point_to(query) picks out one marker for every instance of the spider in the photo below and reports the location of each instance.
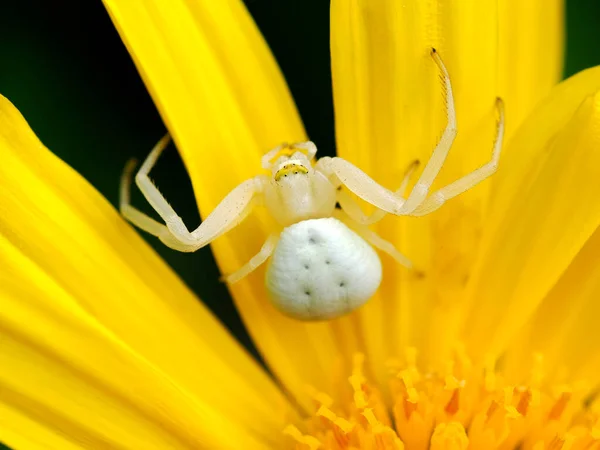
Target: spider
(323, 264)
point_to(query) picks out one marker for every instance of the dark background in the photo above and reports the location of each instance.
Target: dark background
(63, 65)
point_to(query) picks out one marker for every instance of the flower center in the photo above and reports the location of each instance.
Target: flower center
(463, 408)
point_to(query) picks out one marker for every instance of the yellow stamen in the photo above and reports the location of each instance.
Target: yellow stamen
(356, 381)
(319, 397)
(559, 406)
(340, 422)
(452, 406)
(411, 393)
(462, 407)
(309, 441)
(524, 401)
(449, 436)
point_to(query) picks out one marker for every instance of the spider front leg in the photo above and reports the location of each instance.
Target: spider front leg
(353, 210)
(232, 210)
(143, 221)
(341, 172)
(439, 197)
(440, 153)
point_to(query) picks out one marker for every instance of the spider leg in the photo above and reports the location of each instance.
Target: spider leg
(341, 172)
(439, 197)
(438, 157)
(258, 259)
(143, 221)
(354, 211)
(267, 157)
(308, 146)
(375, 240)
(232, 210)
(385, 246)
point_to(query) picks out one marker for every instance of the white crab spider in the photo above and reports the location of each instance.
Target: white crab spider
(322, 265)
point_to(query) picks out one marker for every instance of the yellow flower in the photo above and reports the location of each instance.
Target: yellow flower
(102, 347)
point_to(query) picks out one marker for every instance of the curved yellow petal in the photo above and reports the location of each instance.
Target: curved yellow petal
(542, 212)
(389, 112)
(100, 341)
(28, 433)
(224, 100)
(564, 328)
(35, 436)
(530, 55)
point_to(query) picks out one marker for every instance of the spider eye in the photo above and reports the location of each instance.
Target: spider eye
(293, 169)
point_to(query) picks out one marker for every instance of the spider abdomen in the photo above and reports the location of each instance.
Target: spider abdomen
(321, 269)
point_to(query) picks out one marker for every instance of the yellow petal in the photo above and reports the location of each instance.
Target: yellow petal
(25, 432)
(530, 55)
(564, 329)
(224, 100)
(542, 213)
(389, 112)
(100, 340)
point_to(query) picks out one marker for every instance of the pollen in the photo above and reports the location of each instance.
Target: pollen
(460, 408)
